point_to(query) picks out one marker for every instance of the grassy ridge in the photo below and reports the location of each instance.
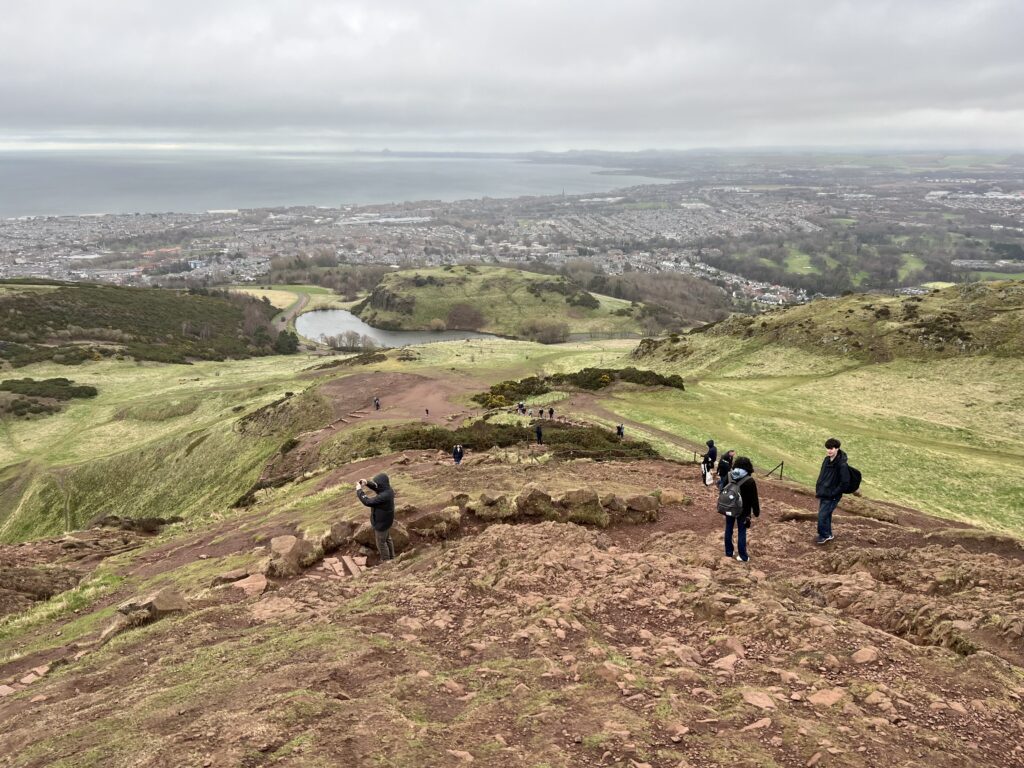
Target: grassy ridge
(154, 442)
(981, 318)
(504, 299)
(51, 322)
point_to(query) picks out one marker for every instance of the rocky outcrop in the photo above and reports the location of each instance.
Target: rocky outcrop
(439, 525)
(289, 555)
(399, 535)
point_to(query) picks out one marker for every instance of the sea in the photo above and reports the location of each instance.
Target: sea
(55, 183)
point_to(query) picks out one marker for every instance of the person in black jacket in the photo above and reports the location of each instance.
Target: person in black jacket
(742, 473)
(833, 478)
(724, 465)
(457, 454)
(382, 512)
(707, 463)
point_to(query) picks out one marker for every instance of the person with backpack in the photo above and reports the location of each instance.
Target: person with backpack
(540, 434)
(737, 502)
(382, 512)
(834, 479)
(724, 465)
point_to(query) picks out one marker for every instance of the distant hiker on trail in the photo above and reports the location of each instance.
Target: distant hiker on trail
(457, 453)
(707, 463)
(620, 430)
(738, 501)
(540, 435)
(427, 411)
(833, 481)
(376, 403)
(551, 413)
(382, 512)
(724, 465)
(531, 413)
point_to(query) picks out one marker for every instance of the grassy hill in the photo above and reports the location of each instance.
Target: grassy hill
(925, 394)
(978, 318)
(539, 643)
(157, 441)
(70, 323)
(495, 300)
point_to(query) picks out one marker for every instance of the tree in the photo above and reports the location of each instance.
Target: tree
(287, 343)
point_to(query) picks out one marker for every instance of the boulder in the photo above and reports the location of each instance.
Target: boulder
(675, 498)
(827, 698)
(252, 586)
(492, 508)
(458, 500)
(534, 502)
(639, 508)
(440, 524)
(865, 655)
(399, 535)
(229, 576)
(155, 604)
(583, 505)
(337, 535)
(408, 510)
(289, 555)
(613, 503)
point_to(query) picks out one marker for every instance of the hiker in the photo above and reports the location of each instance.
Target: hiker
(457, 453)
(427, 410)
(382, 512)
(724, 465)
(376, 403)
(833, 479)
(540, 435)
(551, 413)
(620, 431)
(707, 462)
(531, 413)
(738, 501)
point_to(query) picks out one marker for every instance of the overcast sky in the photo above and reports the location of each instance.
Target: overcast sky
(480, 75)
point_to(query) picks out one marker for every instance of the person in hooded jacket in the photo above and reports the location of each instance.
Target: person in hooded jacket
(742, 473)
(832, 479)
(457, 454)
(724, 465)
(708, 460)
(382, 512)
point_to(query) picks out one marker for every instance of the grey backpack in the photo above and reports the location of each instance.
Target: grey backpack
(730, 502)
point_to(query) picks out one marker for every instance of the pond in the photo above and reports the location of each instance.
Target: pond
(335, 322)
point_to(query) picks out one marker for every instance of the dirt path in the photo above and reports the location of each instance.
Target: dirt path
(585, 403)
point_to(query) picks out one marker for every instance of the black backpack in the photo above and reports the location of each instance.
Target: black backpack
(854, 483)
(730, 502)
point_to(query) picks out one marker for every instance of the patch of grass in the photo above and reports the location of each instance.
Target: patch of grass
(501, 300)
(81, 597)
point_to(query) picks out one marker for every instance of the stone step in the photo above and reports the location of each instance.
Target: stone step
(353, 568)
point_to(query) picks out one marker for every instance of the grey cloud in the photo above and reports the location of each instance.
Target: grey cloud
(518, 74)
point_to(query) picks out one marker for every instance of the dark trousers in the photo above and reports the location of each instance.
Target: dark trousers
(825, 509)
(385, 546)
(741, 536)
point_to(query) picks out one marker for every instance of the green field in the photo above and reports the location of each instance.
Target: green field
(158, 440)
(506, 299)
(942, 436)
(910, 265)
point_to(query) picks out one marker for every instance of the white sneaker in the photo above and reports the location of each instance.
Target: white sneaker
(740, 559)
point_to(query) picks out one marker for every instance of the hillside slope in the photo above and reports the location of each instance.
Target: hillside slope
(973, 319)
(494, 300)
(536, 643)
(73, 322)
